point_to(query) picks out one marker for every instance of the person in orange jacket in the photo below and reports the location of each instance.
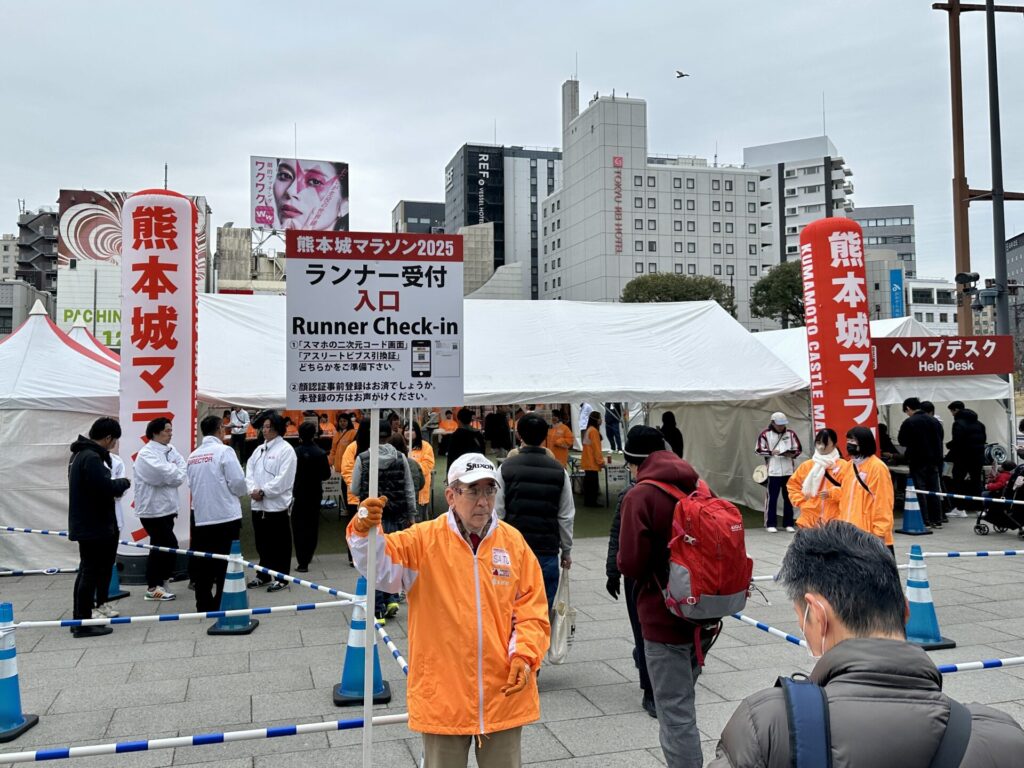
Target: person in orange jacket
(559, 439)
(865, 495)
(344, 435)
(478, 618)
(592, 460)
(423, 454)
(808, 487)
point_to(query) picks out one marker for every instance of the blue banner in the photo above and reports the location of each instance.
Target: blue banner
(896, 303)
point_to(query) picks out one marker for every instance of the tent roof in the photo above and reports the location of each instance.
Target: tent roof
(525, 351)
(41, 368)
(80, 333)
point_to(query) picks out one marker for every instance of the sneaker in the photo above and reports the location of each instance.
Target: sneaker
(158, 593)
(91, 631)
(648, 705)
(105, 611)
(772, 529)
(301, 569)
(790, 529)
(256, 584)
(391, 611)
(276, 586)
(379, 618)
(956, 513)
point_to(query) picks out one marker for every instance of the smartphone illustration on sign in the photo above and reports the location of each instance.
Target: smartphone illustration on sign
(421, 358)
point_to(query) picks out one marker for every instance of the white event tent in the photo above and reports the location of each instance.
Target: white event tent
(51, 389)
(80, 333)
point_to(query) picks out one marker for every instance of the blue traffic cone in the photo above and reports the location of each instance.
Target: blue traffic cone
(234, 598)
(913, 523)
(350, 690)
(115, 592)
(12, 722)
(923, 625)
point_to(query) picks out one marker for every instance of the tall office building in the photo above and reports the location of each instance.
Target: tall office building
(807, 179)
(418, 217)
(8, 256)
(1015, 259)
(622, 212)
(37, 249)
(490, 183)
(932, 301)
(889, 228)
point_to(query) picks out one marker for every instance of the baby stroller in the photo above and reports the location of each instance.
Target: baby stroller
(1005, 517)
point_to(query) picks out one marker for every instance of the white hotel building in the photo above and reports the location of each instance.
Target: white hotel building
(621, 213)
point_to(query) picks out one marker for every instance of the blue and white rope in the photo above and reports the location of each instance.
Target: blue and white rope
(198, 740)
(980, 553)
(770, 630)
(968, 666)
(393, 648)
(985, 499)
(34, 571)
(263, 611)
(12, 529)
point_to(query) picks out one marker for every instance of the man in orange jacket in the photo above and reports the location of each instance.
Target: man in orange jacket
(478, 619)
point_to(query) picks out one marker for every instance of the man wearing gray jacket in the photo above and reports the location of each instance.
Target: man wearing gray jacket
(885, 705)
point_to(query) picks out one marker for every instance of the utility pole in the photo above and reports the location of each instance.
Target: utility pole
(995, 138)
(963, 195)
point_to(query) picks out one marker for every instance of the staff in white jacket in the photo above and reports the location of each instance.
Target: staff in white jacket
(159, 472)
(270, 476)
(216, 480)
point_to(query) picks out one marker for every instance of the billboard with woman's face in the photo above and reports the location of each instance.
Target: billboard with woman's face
(289, 193)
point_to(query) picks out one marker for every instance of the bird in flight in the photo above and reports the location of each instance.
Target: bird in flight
(681, 74)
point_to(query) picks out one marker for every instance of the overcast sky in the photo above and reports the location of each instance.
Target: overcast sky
(100, 95)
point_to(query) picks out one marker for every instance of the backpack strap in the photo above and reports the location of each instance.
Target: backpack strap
(809, 732)
(954, 739)
(831, 479)
(677, 493)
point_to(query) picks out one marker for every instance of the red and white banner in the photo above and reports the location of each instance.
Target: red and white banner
(942, 356)
(837, 320)
(158, 333)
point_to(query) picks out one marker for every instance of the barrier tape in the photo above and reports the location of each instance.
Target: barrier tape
(181, 616)
(981, 553)
(47, 571)
(985, 499)
(968, 666)
(12, 529)
(770, 630)
(392, 647)
(198, 740)
(764, 578)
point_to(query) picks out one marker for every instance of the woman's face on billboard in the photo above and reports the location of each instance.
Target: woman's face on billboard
(307, 194)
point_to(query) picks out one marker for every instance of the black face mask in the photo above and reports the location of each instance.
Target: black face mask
(853, 449)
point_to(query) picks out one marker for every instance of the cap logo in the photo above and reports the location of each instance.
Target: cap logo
(471, 465)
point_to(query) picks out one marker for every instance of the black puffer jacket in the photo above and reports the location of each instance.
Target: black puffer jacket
(532, 488)
(886, 710)
(91, 492)
(969, 438)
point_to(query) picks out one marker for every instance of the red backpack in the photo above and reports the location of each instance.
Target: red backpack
(708, 571)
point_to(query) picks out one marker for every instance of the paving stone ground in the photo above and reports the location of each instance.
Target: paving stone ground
(168, 679)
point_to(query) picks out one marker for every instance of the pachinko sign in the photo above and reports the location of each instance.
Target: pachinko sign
(158, 331)
(837, 320)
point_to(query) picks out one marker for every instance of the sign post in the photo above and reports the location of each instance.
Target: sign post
(374, 321)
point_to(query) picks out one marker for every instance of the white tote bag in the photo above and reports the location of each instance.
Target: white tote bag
(563, 622)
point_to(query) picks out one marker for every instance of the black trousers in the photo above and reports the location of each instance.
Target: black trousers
(160, 565)
(630, 589)
(967, 480)
(208, 574)
(927, 479)
(273, 542)
(92, 584)
(305, 528)
(591, 487)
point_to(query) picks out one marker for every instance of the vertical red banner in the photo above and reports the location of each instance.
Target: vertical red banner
(158, 332)
(838, 332)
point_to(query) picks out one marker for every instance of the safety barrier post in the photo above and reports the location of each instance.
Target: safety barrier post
(350, 690)
(12, 722)
(234, 598)
(923, 625)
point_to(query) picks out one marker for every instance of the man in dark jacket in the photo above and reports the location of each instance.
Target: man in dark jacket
(465, 439)
(966, 453)
(921, 436)
(311, 470)
(885, 700)
(91, 519)
(535, 498)
(646, 530)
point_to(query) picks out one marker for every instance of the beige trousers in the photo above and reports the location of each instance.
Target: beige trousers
(494, 750)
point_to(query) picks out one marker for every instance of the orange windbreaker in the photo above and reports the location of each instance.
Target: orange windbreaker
(869, 512)
(469, 615)
(348, 463)
(817, 510)
(424, 456)
(339, 444)
(448, 425)
(559, 441)
(593, 457)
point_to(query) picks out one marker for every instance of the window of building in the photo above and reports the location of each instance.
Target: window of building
(716, 184)
(691, 269)
(652, 203)
(728, 226)
(638, 245)
(545, 250)
(691, 183)
(791, 192)
(559, 261)
(752, 270)
(652, 224)
(811, 170)
(691, 226)
(716, 226)
(943, 317)
(791, 211)
(728, 206)
(533, 181)
(652, 267)
(558, 204)
(728, 185)
(729, 248)
(677, 247)
(638, 223)
(638, 181)
(790, 173)
(730, 269)
(752, 249)
(791, 249)
(717, 269)
(917, 316)
(533, 198)
(677, 205)
(751, 229)
(814, 189)
(716, 248)
(691, 205)
(677, 226)
(677, 183)
(533, 162)
(638, 202)
(691, 247)
(545, 285)
(559, 242)
(945, 297)
(639, 267)
(652, 246)
(929, 317)
(545, 231)
(922, 296)
(751, 186)
(551, 163)
(678, 268)
(716, 205)
(751, 207)
(650, 181)
(545, 266)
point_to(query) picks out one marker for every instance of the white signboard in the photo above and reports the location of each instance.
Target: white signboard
(374, 320)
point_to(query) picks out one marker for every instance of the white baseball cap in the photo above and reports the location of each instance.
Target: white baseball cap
(471, 467)
(780, 418)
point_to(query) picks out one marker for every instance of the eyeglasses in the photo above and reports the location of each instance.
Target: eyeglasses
(475, 493)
